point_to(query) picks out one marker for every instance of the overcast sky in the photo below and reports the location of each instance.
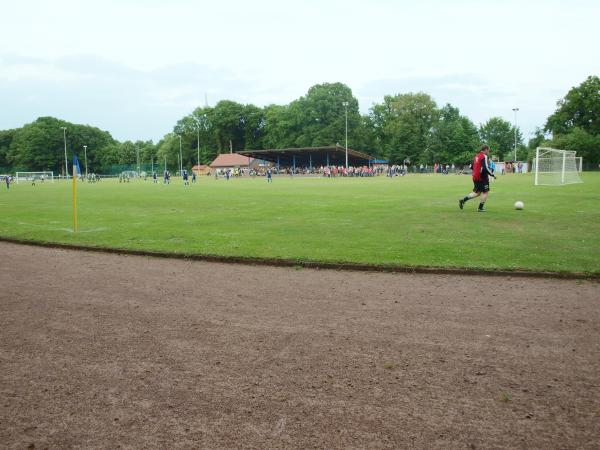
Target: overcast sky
(134, 68)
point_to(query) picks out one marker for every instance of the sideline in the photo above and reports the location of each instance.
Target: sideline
(275, 262)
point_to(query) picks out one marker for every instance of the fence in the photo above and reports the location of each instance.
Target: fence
(117, 169)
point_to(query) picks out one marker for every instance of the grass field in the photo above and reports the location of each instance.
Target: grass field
(410, 221)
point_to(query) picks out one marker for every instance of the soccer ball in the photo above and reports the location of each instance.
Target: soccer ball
(519, 205)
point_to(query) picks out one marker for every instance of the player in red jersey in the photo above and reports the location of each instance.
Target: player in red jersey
(481, 180)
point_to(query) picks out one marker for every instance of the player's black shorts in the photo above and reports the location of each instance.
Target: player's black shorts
(481, 186)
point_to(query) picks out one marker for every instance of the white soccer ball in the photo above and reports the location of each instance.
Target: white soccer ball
(519, 205)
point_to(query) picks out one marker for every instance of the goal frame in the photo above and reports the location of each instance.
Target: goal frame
(564, 155)
(26, 176)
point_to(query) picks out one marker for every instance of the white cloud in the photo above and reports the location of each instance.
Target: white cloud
(135, 67)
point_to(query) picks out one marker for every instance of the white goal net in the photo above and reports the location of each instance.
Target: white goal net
(553, 167)
(34, 176)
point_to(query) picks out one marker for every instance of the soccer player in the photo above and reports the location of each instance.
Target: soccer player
(185, 178)
(481, 180)
(269, 175)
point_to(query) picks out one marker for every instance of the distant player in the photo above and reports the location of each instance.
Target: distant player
(185, 178)
(481, 180)
(7, 181)
(193, 177)
(154, 178)
(269, 175)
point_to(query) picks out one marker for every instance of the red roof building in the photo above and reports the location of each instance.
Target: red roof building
(231, 161)
(201, 169)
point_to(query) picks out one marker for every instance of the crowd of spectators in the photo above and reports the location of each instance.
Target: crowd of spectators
(389, 170)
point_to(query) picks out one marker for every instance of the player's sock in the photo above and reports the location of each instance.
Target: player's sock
(466, 197)
(481, 206)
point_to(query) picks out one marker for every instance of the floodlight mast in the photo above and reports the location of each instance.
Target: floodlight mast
(66, 164)
(85, 156)
(180, 157)
(346, 108)
(198, 132)
(515, 111)
(137, 160)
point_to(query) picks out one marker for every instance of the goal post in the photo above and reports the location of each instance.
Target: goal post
(34, 176)
(554, 167)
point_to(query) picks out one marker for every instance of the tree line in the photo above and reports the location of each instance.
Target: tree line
(404, 127)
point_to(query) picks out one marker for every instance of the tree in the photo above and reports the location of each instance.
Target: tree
(363, 137)
(198, 126)
(227, 121)
(539, 136)
(322, 115)
(253, 124)
(500, 136)
(107, 157)
(281, 128)
(147, 151)
(452, 137)
(580, 108)
(40, 145)
(584, 143)
(6, 138)
(168, 150)
(575, 125)
(402, 126)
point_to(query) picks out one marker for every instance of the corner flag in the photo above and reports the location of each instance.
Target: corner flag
(76, 165)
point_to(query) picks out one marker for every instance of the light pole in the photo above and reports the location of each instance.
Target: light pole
(85, 156)
(515, 111)
(198, 132)
(66, 164)
(137, 160)
(180, 157)
(346, 108)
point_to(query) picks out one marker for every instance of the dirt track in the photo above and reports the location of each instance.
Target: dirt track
(101, 351)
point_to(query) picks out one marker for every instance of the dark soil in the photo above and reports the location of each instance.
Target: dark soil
(107, 351)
